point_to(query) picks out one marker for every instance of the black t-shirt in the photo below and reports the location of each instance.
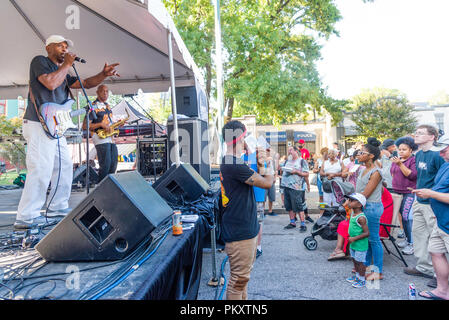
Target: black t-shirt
(101, 113)
(43, 65)
(239, 219)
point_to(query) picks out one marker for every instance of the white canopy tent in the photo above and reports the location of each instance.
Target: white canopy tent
(126, 31)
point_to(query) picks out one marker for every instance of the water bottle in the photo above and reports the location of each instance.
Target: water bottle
(411, 291)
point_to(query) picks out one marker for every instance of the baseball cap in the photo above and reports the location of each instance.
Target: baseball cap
(359, 197)
(301, 141)
(58, 39)
(441, 144)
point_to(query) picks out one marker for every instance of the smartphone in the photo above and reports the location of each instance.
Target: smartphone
(394, 154)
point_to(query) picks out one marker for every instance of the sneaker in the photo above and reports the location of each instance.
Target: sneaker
(358, 283)
(258, 253)
(32, 223)
(309, 219)
(302, 229)
(290, 226)
(401, 234)
(352, 278)
(58, 213)
(408, 250)
(402, 243)
(272, 214)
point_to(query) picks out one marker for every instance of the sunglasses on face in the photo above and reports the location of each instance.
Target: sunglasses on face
(362, 153)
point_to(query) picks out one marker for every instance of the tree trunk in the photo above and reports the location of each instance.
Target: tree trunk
(208, 84)
(230, 103)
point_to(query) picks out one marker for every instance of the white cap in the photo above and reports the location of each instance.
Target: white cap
(58, 39)
(359, 197)
(441, 144)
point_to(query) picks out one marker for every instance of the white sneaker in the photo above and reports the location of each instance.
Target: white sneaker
(33, 223)
(58, 213)
(402, 243)
(408, 250)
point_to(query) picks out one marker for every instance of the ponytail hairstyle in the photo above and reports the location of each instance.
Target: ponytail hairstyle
(373, 147)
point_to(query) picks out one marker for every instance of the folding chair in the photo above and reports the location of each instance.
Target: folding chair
(385, 223)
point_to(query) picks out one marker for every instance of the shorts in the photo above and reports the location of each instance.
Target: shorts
(294, 200)
(438, 241)
(260, 211)
(271, 193)
(359, 256)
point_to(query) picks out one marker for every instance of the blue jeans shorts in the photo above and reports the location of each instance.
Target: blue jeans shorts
(359, 256)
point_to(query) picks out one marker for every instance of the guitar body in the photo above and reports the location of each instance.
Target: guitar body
(58, 117)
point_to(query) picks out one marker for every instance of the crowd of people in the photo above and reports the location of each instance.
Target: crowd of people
(409, 174)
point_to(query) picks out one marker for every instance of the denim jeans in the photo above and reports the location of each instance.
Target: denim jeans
(107, 159)
(319, 185)
(373, 211)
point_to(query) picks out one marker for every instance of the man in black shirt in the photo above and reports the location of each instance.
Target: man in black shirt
(49, 159)
(107, 152)
(239, 217)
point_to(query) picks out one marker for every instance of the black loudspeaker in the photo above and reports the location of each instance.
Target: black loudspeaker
(108, 224)
(191, 102)
(181, 183)
(193, 140)
(79, 176)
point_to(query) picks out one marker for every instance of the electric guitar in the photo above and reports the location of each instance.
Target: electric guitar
(58, 117)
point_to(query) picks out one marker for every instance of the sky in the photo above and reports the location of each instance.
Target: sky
(397, 44)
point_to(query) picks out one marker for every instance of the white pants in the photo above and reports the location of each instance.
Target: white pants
(42, 162)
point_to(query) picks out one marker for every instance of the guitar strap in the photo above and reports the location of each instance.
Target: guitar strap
(41, 119)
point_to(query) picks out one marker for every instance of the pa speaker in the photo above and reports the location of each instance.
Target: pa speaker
(108, 224)
(181, 183)
(193, 140)
(191, 102)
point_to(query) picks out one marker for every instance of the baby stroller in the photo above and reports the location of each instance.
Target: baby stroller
(326, 226)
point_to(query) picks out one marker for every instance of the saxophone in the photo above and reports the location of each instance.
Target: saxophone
(103, 134)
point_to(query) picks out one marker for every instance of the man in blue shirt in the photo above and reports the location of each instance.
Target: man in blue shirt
(428, 163)
(252, 161)
(439, 239)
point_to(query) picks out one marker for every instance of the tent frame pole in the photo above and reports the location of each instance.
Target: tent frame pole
(173, 99)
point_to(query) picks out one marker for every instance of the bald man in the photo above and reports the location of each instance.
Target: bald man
(106, 149)
(49, 159)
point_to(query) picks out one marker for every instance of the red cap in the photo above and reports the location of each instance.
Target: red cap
(301, 141)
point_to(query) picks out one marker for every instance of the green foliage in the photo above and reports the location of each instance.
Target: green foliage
(270, 50)
(12, 152)
(382, 113)
(441, 97)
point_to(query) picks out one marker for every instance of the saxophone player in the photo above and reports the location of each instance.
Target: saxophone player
(106, 149)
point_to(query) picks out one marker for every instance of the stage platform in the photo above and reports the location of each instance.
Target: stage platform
(167, 269)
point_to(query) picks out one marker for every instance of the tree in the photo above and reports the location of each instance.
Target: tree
(382, 113)
(12, 152)
(270, 50)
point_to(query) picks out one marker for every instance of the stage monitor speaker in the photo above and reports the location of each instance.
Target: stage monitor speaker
(108, 224)
(191, 102)
(79, 176)
(181, 183)
(193, 138)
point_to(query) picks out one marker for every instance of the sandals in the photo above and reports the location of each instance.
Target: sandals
(335, 256)
(374, 276)
(430, 295)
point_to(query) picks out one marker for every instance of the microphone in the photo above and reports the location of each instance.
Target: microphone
(80, 60)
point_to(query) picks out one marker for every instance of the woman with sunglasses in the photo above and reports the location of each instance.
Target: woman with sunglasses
(369, 183)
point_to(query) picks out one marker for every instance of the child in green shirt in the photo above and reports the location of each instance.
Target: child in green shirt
(358, 238)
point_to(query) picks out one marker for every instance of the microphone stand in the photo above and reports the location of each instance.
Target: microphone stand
(94, 116)
(153, 129)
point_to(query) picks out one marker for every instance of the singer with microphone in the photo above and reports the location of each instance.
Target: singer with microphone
(48, 160)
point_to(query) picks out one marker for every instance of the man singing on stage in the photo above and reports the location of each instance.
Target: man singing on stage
(49, 159)
(106, 149)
